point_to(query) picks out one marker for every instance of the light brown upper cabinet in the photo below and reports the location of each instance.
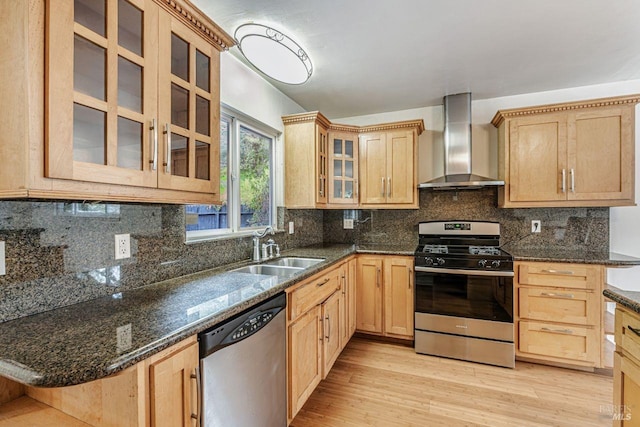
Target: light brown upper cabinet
(388, 169)
(306, 160)
(336, 166)
(343, 169)
(131, 101)
(573, 154)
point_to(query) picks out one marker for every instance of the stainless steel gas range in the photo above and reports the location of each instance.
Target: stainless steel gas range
(464, 293)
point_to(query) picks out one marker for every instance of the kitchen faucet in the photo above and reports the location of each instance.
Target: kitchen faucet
(256, 242)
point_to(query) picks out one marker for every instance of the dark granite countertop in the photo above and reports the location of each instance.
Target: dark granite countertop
(78, 343)
(629, 299)
(611, 259)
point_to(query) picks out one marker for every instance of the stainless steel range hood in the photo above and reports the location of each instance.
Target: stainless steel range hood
(457, 148)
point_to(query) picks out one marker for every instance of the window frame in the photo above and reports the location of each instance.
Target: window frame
(237, 119)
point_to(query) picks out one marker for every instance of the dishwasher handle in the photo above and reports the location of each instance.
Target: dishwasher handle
(240, 327)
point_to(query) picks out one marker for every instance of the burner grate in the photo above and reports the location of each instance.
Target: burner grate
(484, 250)
(435, 249)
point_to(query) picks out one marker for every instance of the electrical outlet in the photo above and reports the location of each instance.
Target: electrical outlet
(123, 246)
(347, 224)
(123, 337)
(536, 225)
(291, 228)
(3, 271)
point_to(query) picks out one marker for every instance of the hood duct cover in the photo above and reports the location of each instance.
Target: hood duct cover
(457, 148)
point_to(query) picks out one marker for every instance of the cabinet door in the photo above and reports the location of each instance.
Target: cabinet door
(398, 296)
(305, 358)
(600, 154)
(172, 389)
(538, 147)
(626, 390)
(369, 294)
(101, 91)
(351, 297)
(343, 169)
(401, 182)
(189, 134)
(373, 168)
(331, 325)
(322, 152)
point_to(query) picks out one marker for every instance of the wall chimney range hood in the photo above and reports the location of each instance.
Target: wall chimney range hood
(457, 148)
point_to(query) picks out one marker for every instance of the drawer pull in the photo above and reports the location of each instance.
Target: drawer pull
(566, 272)
(324, 282)
(554, 295)
(634, 330)
(558, 331)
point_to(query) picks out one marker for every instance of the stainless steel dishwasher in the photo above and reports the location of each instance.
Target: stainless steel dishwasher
(243, 365)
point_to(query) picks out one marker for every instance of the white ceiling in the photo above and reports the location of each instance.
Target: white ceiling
(372, 56)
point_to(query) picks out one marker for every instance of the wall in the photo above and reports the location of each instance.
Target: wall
(624, 228)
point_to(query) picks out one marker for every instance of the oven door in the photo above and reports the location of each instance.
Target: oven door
(470, 294)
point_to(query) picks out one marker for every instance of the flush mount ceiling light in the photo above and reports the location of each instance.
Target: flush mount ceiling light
(273, 53)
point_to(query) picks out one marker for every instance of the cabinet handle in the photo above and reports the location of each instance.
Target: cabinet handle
(378, 277)
(554, 295)
(410, 276)
(167, 139)
(321, 320)
(388, 186)
(565, 272)
(634, 330)
(324, 282)
(558, 331)
(564, 181)
(572, 174)
(154, 145)
(382, 189)
(356, 188)
(321, 191)
(344, 284)
(196, 376)
(328, 328)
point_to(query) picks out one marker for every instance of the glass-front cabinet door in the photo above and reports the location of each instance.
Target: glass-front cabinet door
(189, 110)
(343, 168)
(101, 100)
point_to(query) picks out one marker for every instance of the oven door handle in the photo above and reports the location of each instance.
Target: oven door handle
(493, 273)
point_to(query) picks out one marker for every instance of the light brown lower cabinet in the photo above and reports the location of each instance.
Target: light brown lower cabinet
(558, 313)
(317, 330)
(626, 369)
(158, 391)
(385, 295)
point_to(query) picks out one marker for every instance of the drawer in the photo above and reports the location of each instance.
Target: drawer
(560, 275)
(563, 306)
(313, 292)
(559, 341)
(628, 332)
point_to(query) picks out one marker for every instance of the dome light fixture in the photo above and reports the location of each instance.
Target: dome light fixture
(273, 53)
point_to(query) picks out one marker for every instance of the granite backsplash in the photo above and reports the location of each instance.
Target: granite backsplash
(58, 254)
(584, 229)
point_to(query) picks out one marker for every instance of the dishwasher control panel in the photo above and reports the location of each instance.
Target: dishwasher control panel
(251, 325)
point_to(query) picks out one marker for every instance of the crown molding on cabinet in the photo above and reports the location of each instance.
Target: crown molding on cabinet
(316, 116)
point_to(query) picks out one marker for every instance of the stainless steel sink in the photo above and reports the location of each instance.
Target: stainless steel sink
(296, 262)
(270, 270)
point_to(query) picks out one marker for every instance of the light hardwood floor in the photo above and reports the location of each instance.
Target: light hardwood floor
(382, 384)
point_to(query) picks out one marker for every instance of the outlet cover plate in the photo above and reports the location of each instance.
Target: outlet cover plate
(123, 338)
(291, 227)
(123, 246)
(347, 224)
(536, 225)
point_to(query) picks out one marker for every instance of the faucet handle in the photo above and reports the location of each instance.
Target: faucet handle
(270, 241)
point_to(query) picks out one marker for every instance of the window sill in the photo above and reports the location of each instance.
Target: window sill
(225, 236)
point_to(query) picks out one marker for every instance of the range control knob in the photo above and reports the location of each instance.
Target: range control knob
(495, 263)
(440, 261)
(482, 263)
(428, 261)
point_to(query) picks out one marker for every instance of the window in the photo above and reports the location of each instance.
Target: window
(246, 181)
